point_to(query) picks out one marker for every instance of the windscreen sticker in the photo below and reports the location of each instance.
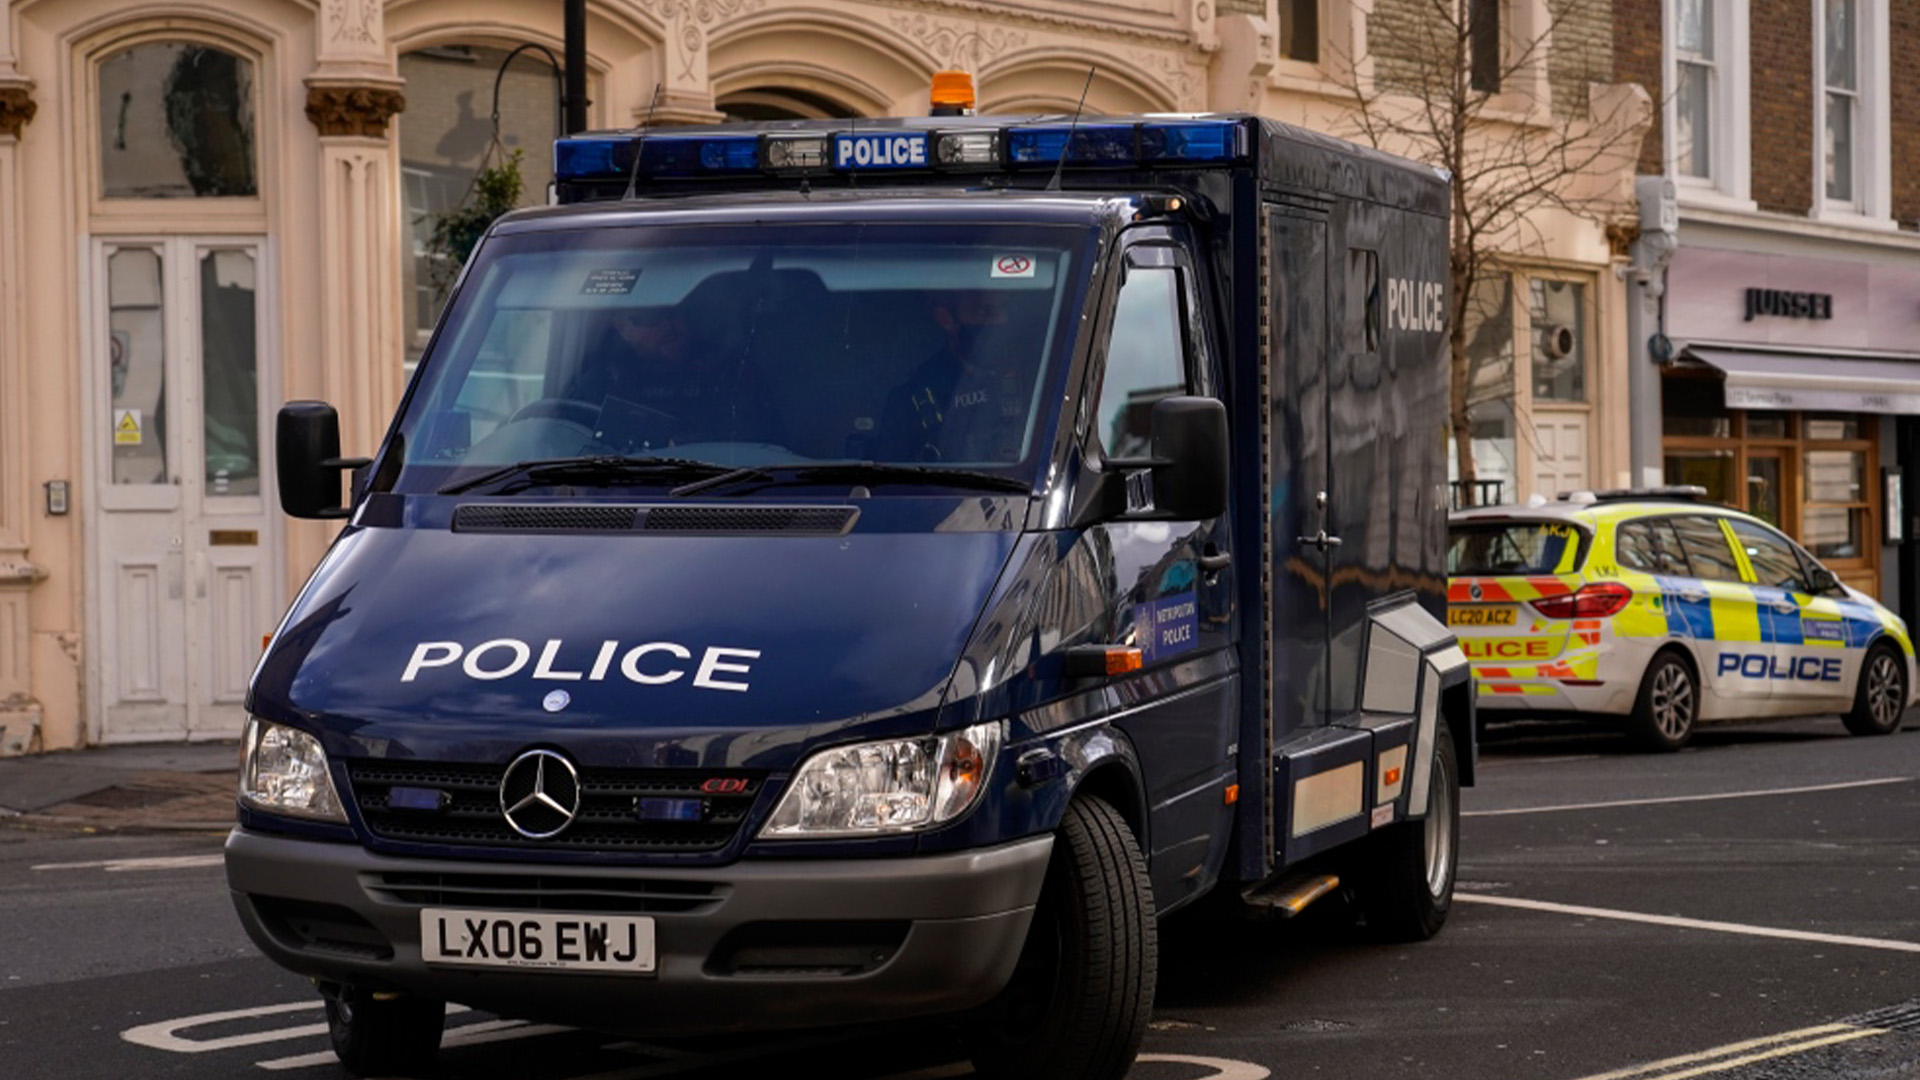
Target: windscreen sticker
(614, 282)
(1005, 266)
(1167, 626)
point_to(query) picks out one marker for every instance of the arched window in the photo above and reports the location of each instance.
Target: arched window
(444, 138)
(177, 121)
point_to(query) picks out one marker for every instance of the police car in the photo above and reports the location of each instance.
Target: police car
(1668, 611)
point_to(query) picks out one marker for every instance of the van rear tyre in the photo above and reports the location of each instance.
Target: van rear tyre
(383, 1036)
(1078, 1003)
(1881, 698)
(1405, 872)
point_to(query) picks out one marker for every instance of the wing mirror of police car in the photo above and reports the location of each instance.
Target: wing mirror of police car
(307, 458)
(1189, 463)
(1823, 580)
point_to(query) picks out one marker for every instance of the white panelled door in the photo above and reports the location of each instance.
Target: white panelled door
(185, 545)
(1560, 464)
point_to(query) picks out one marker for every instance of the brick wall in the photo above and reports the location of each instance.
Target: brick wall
(1405, 38)
(1636, 59)
(1582, 52)
(1904, 54)
(1781, 85)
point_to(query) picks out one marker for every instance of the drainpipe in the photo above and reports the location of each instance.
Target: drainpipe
(1648, 349)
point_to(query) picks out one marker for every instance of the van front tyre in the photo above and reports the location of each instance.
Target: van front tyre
(1078, 1003)
(1668, 705)
(1881, 698)
(383, 1036)
(1405, 875)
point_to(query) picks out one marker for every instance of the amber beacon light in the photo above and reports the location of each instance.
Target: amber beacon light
(952, 93)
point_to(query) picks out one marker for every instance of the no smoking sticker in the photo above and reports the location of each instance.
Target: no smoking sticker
(1013, 266)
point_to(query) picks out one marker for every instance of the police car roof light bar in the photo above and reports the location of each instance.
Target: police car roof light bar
(1663, 492)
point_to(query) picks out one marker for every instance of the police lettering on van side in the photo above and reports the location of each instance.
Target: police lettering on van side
(1758, 666)
(1416, 305)
(651, 663)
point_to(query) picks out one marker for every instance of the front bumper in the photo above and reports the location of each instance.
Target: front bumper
(752, 946)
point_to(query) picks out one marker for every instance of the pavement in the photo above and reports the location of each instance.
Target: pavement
(131, 788)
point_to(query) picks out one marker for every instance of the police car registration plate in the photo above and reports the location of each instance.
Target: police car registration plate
(1479, 616)
(611, 944)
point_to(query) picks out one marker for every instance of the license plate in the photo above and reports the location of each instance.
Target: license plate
(1479, 616)
(610, 944)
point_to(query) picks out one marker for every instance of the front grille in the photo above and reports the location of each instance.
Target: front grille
(673, 520)
(543, 892)
(524, 517)
(609, 820)
(814, 520)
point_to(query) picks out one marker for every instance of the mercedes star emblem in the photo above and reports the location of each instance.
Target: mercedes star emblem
(540, 794)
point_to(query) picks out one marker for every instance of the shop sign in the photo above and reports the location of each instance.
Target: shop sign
(1823, 400)
(1790, 305)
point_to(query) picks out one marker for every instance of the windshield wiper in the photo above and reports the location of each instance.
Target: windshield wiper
(598, 469)
(743, 473)
(880, 472)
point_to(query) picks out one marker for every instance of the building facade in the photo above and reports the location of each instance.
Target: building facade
(209, 209)
(1786, 351)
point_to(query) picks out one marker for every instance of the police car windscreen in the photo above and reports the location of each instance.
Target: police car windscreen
(751, 345)
(1515, 547)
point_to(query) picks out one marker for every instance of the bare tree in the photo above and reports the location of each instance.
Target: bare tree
(1525, 132)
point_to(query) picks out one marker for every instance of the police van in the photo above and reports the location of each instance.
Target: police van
(826, 573)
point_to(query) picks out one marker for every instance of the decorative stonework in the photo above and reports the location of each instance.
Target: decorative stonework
(685, 20)
(353, 110)
(353, 20)
(16, 109)
(968, 47)
(1169, 71)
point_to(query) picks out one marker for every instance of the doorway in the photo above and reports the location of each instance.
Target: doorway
(186, 576)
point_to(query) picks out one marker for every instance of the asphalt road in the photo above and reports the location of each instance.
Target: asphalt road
(1748, 909)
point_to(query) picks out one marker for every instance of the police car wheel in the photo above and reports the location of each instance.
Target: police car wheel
(1881, 698)
(1077, 1005)
(1668, 704)
(383, 1036)
(1404, 875)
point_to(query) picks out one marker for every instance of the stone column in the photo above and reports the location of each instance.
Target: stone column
(19, 710)
(351, 95)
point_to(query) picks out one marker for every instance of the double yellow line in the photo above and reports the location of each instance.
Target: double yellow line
(1734, 1055)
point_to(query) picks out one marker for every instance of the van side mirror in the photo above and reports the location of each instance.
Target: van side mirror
(307, 458)
(1189, 463)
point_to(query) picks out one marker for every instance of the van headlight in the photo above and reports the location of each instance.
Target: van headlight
(284, 771)
(895, 786)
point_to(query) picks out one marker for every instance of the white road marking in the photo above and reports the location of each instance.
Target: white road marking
(1690, 924)
(1223, 1068)
(1718, 1059)
(166, 1034)
(486, 1031)
(1690, 798)
(114, 866)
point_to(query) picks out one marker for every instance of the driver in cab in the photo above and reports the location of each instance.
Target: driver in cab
(654, 386)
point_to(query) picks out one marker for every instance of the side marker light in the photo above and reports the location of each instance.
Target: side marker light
(1233, 794)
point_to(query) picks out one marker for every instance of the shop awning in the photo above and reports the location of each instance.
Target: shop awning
(1771, 380)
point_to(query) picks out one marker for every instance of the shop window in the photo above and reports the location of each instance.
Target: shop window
(446, 135)
(1559, 319)
(1713, 470)
(1694, 407)
(177, 122)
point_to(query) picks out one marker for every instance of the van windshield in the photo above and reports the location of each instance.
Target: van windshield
(756, 346)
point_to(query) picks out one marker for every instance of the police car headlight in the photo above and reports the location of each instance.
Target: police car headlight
(900, 785)
(284, 771)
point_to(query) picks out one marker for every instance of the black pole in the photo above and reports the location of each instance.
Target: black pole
(576, 65)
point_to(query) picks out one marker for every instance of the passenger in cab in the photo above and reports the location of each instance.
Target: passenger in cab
(969, 400)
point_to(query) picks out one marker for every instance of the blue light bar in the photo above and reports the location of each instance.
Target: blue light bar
(699, 155)
(1196, 141)
(1093, 144)
(593, 157)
